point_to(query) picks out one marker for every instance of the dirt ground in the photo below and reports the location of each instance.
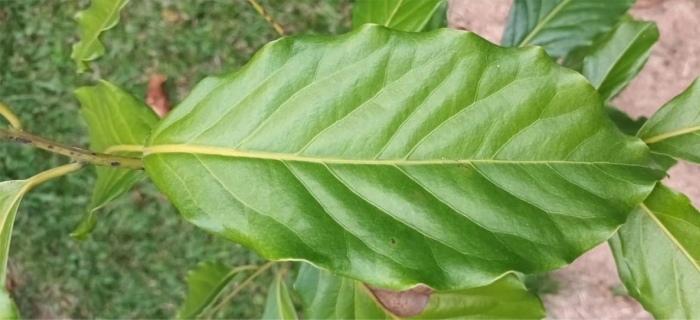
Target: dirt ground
(587, 288)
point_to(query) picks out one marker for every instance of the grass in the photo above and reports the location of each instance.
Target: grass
(135, 263)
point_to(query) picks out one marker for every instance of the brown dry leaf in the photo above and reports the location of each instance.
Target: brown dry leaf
(156, 97)
(404, 303)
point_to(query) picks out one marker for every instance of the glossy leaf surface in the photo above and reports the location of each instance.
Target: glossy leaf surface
(561, 25)
(402, 158)
(658, 255)
(279, 302)
(101, 16)
(204, 284)
(11, 193)
(325, 296)
(404, 15)
(674, 130)
(614, 60)
(119, 124)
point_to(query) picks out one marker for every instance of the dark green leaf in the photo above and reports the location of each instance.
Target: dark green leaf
(204, 284)
(561, 25)
(439, 18)
(325, 296)
(674, 130)
(658, 255)
(119, 124)
(402, 158)
(615, 59)
(101, 16)
(279, 303)
(624, 122)
(401, 15)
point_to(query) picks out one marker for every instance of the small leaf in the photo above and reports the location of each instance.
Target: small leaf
(101, 16)
(325, 296)
(561, 25)
(156, 97)
(8, 308)
(674, 130)
(279, 303)
(615, 59)
(119, 124)
(400, 158)
(204, 284)
(401, 15)
(11, 193)
(658, 255)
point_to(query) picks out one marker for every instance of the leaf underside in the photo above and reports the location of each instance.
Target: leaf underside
(325, 296)
(402, 158)
(115, 119)
(658, 255)
(404, 15)
(561, 25)
(101, 16)
(204, 284)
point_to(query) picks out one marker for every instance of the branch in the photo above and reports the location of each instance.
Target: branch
(77, 154)
(10, 116)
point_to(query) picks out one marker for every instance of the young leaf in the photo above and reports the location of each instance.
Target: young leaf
(119, 124)
(11, 193)
(204, 284)
(658, 255)
(101, 16)
(8, 308)
(402, 158)
(674, 130)
(325, 296)
(401, 15)
(279, 303)
(614, 60)
(561, 25)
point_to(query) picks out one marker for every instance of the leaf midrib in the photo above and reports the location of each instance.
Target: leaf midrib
(542, 23)
(671, 134)
(226, 152)
(670, 236)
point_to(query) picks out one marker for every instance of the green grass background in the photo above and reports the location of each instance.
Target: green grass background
(135, 263)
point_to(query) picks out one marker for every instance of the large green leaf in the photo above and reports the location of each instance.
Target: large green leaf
(402, 158)
(405, 15)
(658, 255)
(119, 124)
(279, 303)
(325, 296)
(614, 60)
(102, 15)
(204, 284)
(674, 130)
(11, 193)
(561, 25)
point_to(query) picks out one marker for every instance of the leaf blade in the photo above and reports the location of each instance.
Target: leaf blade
(204, 283)
(549, 23)
(394, 188)
(279, 302)
(118, 123)
(674, 130)
(404, 15)
(658, 257)
(101, 16)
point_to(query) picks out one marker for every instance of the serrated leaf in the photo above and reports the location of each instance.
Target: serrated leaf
(11, 193)
(561, 25)
(204, 284)
(118, 123)
(674, 130)
(325, 296)
(404, 15)
(402, 158)
(614, 60)
(279, 303)
(101, 16)
(658, 255)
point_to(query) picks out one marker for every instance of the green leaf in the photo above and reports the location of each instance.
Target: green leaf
(438, 19)
(204, 284)
(614, 60)
(11, 193)
(119, 123)
(101, 16)
(402, 158)
(325, 296)
(674, 130)
(279, 303)
(658, 255)
(404, 15)
(561, 25)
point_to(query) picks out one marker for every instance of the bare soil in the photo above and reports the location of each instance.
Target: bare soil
(589, 287)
